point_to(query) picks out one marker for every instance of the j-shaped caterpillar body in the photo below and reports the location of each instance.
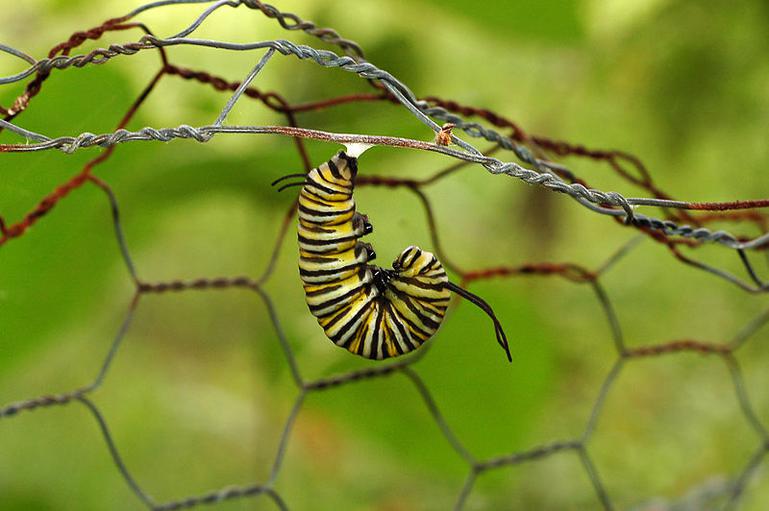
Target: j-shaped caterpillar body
(373, 312)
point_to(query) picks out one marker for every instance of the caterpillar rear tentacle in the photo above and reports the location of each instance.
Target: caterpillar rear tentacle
(371, 311)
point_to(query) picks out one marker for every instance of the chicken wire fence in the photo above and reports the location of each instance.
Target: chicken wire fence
(682, 227)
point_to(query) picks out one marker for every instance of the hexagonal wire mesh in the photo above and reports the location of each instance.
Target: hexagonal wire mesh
(678, 231)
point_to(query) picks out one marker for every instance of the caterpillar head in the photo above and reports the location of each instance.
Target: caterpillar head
(412, 261)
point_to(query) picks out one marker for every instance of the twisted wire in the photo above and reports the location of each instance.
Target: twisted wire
(592, 198)
(545, 175)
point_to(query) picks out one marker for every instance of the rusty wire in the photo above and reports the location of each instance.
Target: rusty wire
(530, 149)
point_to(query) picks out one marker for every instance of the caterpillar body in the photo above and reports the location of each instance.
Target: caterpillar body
(373, 312)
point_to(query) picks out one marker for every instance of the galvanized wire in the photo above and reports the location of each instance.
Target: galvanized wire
(595, 200)
(546, 174)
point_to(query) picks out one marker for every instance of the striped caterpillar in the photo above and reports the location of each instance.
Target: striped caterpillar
(373, 312)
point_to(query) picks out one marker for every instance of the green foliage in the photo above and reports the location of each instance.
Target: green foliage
(200, 388)
(526, 20)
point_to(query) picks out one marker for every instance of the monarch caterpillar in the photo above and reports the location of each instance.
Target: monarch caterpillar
(373, 312)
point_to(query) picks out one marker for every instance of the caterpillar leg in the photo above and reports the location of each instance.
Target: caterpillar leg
(361, 224)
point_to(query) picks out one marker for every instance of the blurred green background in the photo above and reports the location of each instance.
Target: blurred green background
(200, 390)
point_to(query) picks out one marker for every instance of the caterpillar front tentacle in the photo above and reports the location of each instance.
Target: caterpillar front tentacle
(485, 307)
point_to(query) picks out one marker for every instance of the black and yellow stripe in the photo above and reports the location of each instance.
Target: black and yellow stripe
(373, 312)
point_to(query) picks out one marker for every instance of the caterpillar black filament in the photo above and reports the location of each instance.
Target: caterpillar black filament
(373, 312)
